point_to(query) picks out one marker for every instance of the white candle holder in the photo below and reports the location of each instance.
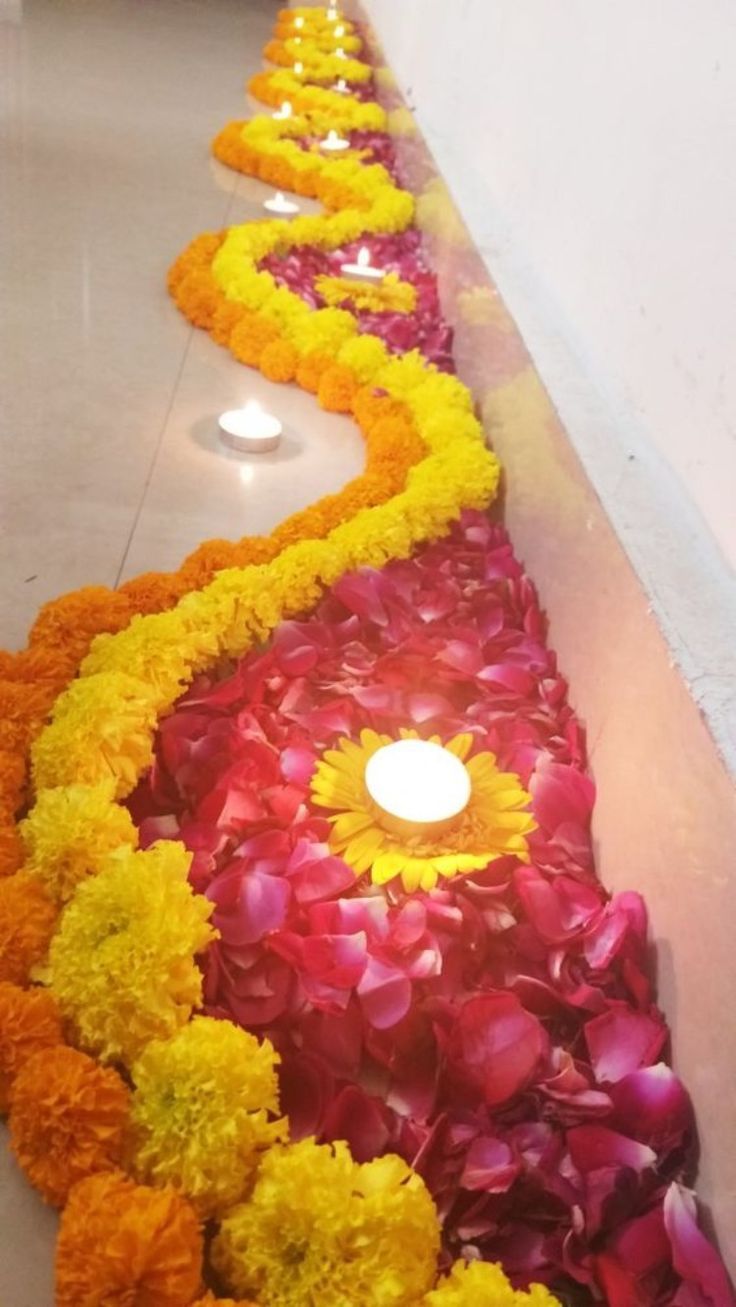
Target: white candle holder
(362, 269)
(250, 430)
(334, 143)
(278, 203)
(419, 787)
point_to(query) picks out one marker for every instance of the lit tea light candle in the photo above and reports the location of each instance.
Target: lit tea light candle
(418, 786)
(334, 142)
(250, 429)
(341, 86)
(298, 68)
(340, 53)
(339, 31)
(278, 203)
(285, 111)
(332, 14)
(298, 22)
(297, 40)
(362, 269)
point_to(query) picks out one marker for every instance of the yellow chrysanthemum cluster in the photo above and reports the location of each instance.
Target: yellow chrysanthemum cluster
(326, 109)
(390, 296)
(70, 832)
(483, 1284)
(319, 1228)
(203, 1112)
(86, 743)
(121, 964)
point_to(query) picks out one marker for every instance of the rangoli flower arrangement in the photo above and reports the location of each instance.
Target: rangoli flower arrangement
(267, 1028)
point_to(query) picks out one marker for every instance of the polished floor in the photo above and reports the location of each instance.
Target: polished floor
(110, 463)
(109, 457)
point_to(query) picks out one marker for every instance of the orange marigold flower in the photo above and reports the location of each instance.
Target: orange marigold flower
(337, 387)
(225, 319)
(47, 665)
(197, 296)
(71, 622)
(123, 1243)
(27, 922)
(29, 1022)
(23, 708)
(11, 849)
(68, 1118)
(279, 361)
(310, 369)
(369, 407)
(13, 774)
(154, 592)
(210, 1300)
(199, 254)
(250, 337)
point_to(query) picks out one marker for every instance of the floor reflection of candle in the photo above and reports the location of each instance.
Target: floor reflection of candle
(250, 429)
(362, 270)
(278, 203)
(334, 142)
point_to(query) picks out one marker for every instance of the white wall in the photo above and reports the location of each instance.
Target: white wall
(594, 142)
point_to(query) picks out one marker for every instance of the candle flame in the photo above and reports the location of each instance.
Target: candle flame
(252, 409)
(364, 257)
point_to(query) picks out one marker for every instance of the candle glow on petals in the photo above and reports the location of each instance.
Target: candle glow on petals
(362, 269)
(334, 142)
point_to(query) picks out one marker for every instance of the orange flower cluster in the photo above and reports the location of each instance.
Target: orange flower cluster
(27, 922)
(68, 1118)
(120, 1242)
(29, 1023)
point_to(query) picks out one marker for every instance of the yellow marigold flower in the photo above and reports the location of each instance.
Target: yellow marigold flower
(493, 825)
(70, 832)
(321, 1229)
(121, 963)
(365, 355)
(159, 649)
(483, 1284)
(101, 724)
(202, 1111)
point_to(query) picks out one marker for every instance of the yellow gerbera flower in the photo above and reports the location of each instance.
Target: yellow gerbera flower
(493, 824)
